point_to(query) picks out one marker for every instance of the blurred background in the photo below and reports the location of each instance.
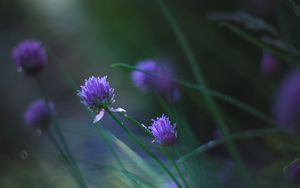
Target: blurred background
(84, 38)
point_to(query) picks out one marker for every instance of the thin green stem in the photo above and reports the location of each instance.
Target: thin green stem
(61, 152)
(236, 136)
(291, 163)
(139, 143)
(213, 93)
(115, 154)
(186, 166)
(258, 43)
(166, 152)
(210, 103)
(137, 123)
(80, 179)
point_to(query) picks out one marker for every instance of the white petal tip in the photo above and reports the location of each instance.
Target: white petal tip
(99, 116)
(117, 110)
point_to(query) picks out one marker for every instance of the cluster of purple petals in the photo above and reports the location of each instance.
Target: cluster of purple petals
(287, 104)
(270, 65)
(30, 57)
(37, 114)
(96, 93)
(164, 132)
(155, 77)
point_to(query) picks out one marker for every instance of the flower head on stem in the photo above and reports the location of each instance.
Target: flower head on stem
(164, 132)
(30, 57)
(97, 95)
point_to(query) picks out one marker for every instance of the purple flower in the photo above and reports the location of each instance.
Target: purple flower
(164, 132)
(287, 105)
(270, 66)
(37, 114)
(97, 95)
(294, 172)
(30, 57)
(152, 76)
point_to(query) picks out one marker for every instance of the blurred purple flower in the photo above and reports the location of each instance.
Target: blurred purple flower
(270, 65)
(287, 105)
(37, 115)
(30, 57)
(164, 132)
(218, 133)
(294, 172)
(157, 78)
(97, 95)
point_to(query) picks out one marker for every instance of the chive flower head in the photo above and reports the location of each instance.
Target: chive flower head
(97, 95)
(37, 114)
(30, 57)
(163, 131)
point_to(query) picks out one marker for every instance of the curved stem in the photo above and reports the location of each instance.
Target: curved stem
(214, 143)
(166, 152)
(61, 152)
(186, 166)
(138, 142)
(81, 180)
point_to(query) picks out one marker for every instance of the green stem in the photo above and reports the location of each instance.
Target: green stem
(212, 106)
(166, 152)
(137, 123)
(213, 93)
(236, 136)
(139, 143)
(186, 166)
(61, 152)
(81, 180)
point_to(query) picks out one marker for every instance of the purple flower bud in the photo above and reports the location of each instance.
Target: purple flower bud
(156, 78)
(164, 133)
(97, 95)
(30, 57)
(287, 105)
(37, 114)
(270, 66)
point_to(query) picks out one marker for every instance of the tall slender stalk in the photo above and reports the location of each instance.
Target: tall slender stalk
(236, 136)
(186, 166)
(61, 152)
(210, 103)
(139, 143)
(166, 152)
(131, 119)
(69, 155)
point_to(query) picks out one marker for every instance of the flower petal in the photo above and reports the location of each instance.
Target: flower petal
(117, 110)
(99, 116)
